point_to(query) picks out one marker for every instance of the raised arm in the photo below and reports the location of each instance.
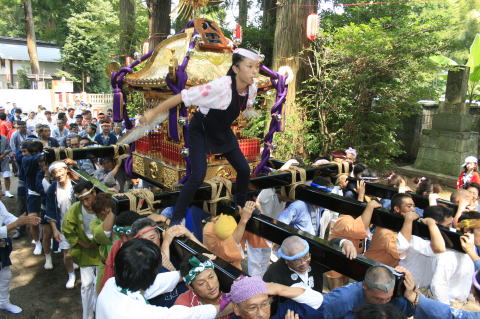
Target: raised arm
(245, 214)
(367, 213)
(407, 224)
(436, 240)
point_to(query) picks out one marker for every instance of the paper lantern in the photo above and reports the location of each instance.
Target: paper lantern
(312, 26)
(238, 31)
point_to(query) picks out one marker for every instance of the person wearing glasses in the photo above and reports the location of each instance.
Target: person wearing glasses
(294, 265)
(250, 298)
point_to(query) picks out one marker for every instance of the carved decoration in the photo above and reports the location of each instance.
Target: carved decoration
(138, 164)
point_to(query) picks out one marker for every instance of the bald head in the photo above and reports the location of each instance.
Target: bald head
(378, 275)
(293, 245)
(460, 194)
(378, 285)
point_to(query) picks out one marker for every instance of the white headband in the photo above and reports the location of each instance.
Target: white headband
(248, 54)
(57, 164)
(86, 193)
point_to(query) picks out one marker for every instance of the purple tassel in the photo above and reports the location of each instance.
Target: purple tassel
(278, 83)
(117, 104)
(128, 165)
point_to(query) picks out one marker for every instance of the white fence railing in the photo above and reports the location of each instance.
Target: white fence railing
(70, 99)
(29, 100)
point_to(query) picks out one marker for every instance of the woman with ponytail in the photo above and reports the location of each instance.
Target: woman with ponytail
(219, 103)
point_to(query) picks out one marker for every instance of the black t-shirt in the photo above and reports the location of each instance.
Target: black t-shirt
(280, 273)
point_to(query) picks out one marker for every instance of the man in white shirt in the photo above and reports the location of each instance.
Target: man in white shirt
(452, 279)
(418, 255)
(70, 116)
(8, 223)
(60, 132)
(136, 280)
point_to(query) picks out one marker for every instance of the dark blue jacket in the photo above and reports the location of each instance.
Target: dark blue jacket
(112, 139)
(51, 206)
(21, 190)
(53, 142)
(31, 168)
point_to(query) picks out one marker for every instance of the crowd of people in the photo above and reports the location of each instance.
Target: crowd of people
(127, 269)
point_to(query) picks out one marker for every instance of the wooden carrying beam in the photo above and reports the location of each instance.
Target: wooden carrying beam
(324, 254)
(384, 191)
(381, 217)
(340, 204)
(261, 182)
(84, 152)
(226, 272)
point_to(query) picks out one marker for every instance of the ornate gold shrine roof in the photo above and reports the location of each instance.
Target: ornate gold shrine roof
(203, 67)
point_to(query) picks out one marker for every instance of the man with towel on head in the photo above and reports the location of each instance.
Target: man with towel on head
(222, 235)
(250, 299)
(294, 265)
(199, 275)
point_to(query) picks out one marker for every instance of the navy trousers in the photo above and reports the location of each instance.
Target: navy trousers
(198, 160)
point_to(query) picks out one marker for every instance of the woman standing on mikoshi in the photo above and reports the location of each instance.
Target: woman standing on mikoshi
(219, 103)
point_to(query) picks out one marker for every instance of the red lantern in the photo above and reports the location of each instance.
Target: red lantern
(238, 32)
(312, 26)
(128, 60)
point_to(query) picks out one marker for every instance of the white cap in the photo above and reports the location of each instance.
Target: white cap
(57, 164)
(470, 159)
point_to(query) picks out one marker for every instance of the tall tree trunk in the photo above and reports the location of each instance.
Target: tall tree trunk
(268, 29)
(127, 25)
(290, 40)
(31, 38)
(158, 21)
(242, 13)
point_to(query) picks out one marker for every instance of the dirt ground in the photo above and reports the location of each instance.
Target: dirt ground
(40, 293)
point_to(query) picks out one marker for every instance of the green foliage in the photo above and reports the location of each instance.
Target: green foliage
(474, 64)
(50, 18)
(12, 19)
(464, 24)
(289, 142)
(86, 30)
(258, 39)
(256, 126)
(134, 103)
(66, 75)
(91, 37)
(23, 81)
(365, 79)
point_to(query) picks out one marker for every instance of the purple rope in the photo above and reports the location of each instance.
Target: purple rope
(278, 82)
(177, 88)
(116, 81)
(189, 25)
(117, 84)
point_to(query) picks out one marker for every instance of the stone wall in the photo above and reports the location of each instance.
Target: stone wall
(412, 129)
(413, 126)
(442, 148)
